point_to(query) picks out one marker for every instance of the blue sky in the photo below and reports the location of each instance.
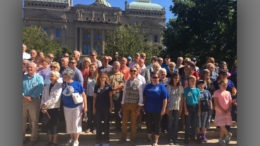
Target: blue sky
(121, 3)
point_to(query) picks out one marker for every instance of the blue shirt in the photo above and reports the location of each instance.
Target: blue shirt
(205, 97)
(166, 67)
(67, 90)
(78, 76)
(154, 97)
(192, 95)
(33, 87)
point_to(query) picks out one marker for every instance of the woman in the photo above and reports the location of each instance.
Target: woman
(72, 111)
(90, 85)
(85, 70)
(223, 105)
(155, 99)
(175, 91)
(45, 72)
(172, 69)
(102, 107)
(50, 105)
(55, 66)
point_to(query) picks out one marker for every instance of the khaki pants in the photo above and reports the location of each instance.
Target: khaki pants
(31, 109)
(129, 110)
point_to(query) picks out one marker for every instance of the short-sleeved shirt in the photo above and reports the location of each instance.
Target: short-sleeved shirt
(154, 97)
(102, 98)
(175, 96)
(191, 95)
(116, 79)
(67, 90)
(230, 85)
(223, 99)
(205, 98)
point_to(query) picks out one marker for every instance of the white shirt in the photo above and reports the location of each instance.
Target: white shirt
(142, 80)
(26, 56)
(52, 99)
(140, 90)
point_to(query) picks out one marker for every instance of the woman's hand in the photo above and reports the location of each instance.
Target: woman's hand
(43, 106)
(85, 110)
(163, 112)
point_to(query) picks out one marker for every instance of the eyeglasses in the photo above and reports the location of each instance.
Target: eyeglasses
(132, 70)
(93, 55)
(155, 77)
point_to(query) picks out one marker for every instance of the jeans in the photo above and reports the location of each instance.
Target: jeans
(191, 121)
(102, 114)
(129, 110)
(91, 119)
(31, 109)
(173, 121)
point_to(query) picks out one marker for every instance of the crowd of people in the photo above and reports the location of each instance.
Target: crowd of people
(163, 94)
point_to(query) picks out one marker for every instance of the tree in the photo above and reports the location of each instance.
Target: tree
(36, 38)
(128, 40)
(202, 29)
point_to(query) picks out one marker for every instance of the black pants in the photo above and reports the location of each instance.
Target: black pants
(191, 122)
(102, 114)
(164, 122)
(91, 119)
(52, 125)
(117, 107)
(153, 123)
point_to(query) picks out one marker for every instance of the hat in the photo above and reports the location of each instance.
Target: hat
(194, 59)
(129, 58)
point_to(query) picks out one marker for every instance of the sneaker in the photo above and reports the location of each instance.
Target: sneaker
(228, 138)
(222, 142)
(76, 143)
(69, 143)
(205, 139)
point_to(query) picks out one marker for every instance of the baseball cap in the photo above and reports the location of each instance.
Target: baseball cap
(129, 58)
(194, 59)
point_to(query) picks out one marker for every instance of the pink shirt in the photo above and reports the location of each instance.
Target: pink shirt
(223, 99)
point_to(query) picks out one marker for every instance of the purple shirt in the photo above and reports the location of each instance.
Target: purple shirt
(45, 73)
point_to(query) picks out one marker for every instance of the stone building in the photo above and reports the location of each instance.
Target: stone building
(83, 27)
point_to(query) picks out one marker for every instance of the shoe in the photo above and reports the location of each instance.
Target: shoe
(228, 138)
(155, 144)
(171, 142)
(69, 143)
(221, 142)
(199, 138)
(87, 131)
(205, 139)
(76, 143)
(94, 132)
(122, 140)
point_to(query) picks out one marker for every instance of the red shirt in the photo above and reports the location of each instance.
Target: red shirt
(125, 70)
(84, 74)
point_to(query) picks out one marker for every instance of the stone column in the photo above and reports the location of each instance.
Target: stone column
(92, 39)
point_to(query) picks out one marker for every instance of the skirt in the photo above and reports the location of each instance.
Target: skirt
(73, 119)
(222, 119)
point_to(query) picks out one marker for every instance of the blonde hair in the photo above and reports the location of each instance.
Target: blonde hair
(172, 63)
(192, 77)
(87, 59)
(55, 73)
(56, 64)
(162, 70)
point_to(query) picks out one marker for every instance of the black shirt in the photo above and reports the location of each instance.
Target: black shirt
(102, 98)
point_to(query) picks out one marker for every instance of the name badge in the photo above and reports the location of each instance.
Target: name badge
(157, 88)
(118, 79)
(98, 91)
(34, 84)
(189, 94)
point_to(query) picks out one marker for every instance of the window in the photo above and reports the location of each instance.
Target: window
(58, 31)
(155, 39)
(86, 49)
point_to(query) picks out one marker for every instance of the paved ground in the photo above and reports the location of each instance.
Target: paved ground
(89, 139)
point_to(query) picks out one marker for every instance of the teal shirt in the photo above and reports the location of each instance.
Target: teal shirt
(33, 87)
(192, 95)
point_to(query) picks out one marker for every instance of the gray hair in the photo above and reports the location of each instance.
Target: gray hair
(162, 70)
(30, 62)
(68, 72)
(55, 73)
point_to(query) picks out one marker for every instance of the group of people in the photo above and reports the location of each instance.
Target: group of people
(89, 93)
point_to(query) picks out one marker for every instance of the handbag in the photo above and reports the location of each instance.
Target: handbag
(77, 98)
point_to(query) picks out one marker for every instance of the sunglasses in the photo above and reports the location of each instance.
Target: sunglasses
(155, 77)
(132, 70)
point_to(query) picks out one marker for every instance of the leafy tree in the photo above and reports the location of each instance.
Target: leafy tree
(36, 38)
(128, 40)
(202, 29)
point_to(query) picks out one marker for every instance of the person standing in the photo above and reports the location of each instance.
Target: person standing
(102, 108)
(64, 64)
(155, 102)
(77, 73)
(73, 111)
(94, 59)
(76, 55)
(26, 56)
(50, 104)
(115, 58)
(132, 102)
(32, 90)
(33, 54)
(124, 69)
(45, 71)
(136, 60)
(85, 70)
(117, 84)
(105, 68)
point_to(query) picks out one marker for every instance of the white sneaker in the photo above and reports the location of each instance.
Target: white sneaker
(76, 143)
(69, 143)
(222, 142)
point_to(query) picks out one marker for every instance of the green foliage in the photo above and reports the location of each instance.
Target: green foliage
(36, 38)
(202, 29)
(128, 40)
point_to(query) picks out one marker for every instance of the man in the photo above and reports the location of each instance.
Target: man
(76, 55)
(105, 68)
(213, 73)
(197, 69)
(64, 64)
(115, 58)
(129, 60)
(66, 55)
(116, 79)
(144, 71)
(51, 57)
(32, 90)
(124, 69)
(78, 75)
(33, 55)
(139, 76)
(179, 63)
(160, 60)
(24, 66)
(150, 66)
(94, 59)
(143, 56)
(136, 60)
(132, 102)
(26, 56)
(41, 55)
(165, 65)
